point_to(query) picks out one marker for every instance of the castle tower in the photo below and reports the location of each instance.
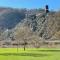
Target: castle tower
(46, 9)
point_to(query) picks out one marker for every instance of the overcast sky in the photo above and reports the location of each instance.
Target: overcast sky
(53, 4)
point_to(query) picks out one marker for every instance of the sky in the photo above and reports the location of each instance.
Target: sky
(30, 4)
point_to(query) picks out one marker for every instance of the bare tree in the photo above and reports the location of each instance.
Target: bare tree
(22, 34)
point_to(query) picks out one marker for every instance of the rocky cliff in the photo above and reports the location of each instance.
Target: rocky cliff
(32, 25)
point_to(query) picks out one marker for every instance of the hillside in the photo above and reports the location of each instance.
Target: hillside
(9, 17)
(33, 26)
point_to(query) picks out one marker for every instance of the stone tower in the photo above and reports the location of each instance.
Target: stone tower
(46, 9)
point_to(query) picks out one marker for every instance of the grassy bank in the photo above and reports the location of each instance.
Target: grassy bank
(29, 54)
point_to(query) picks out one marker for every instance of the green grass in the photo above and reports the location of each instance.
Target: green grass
(29, 54)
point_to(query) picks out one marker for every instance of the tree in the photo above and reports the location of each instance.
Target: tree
(21, 34)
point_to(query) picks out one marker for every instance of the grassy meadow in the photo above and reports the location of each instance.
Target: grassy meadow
(29, 54)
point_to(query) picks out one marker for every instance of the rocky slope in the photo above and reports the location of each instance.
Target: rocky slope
(33, 26)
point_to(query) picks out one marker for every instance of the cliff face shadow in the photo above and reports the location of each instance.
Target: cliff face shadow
(24, 54)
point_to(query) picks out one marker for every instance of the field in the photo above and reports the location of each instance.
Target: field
(29, 54)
